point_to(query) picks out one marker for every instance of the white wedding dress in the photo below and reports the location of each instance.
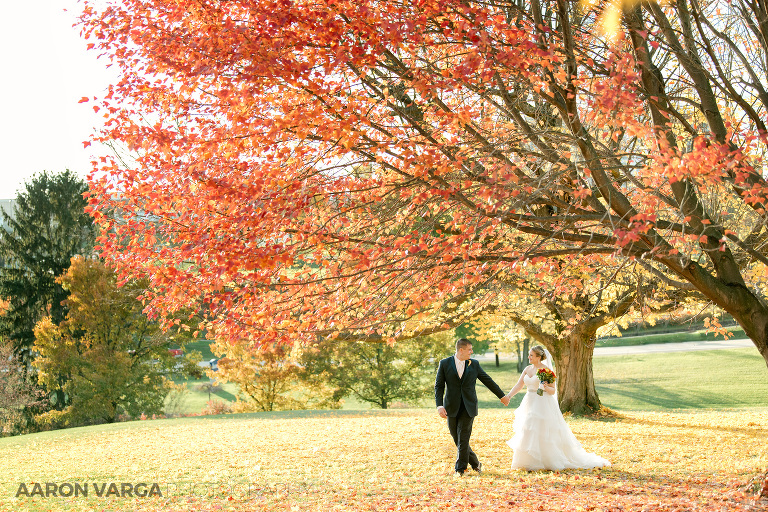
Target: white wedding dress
(542, 438)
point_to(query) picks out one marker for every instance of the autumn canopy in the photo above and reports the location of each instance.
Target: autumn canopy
(379, 169)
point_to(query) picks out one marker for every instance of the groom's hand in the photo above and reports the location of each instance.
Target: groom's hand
(442, 412)
(505, 399)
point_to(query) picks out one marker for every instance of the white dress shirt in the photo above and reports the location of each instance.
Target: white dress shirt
(459, 365)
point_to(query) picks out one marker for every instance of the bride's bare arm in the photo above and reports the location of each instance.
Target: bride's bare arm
(519, 385)
(549, 388)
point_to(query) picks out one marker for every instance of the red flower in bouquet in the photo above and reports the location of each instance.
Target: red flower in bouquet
(545, 375)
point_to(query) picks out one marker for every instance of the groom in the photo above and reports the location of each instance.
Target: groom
(458, 373)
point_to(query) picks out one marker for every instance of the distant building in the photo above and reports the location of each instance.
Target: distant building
(7, 206)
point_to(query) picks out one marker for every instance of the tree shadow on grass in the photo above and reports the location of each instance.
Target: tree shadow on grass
(649, 396)
(224, 395)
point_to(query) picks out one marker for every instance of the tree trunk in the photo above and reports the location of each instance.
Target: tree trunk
(755, 325)
(736, 299)
(522, 357)
(573, 366)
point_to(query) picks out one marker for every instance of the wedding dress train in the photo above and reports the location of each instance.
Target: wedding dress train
(542, 438)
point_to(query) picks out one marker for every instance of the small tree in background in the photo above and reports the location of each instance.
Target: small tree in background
(19, 399)
(377, 373)
(270, 379)
(482, 340)
(107, 357)
(505, 335)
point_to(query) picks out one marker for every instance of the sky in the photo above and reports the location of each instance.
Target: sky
(45, 71)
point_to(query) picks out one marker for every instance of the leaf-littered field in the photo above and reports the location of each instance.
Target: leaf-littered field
(382, 460)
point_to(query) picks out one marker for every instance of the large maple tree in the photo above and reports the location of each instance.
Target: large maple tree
(370, 169)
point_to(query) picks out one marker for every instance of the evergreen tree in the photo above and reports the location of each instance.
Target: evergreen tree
(48, 228)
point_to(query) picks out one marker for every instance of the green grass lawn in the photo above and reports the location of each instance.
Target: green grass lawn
(706, 379)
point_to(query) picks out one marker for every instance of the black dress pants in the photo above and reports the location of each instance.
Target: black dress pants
(461, 430)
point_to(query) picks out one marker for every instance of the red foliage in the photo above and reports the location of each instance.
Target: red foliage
(384, 168)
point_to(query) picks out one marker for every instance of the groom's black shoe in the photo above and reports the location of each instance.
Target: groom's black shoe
(479, 468)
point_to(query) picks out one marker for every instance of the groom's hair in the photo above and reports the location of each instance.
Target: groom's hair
(462, 342)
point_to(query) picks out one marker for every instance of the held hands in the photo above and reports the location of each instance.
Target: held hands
(505, 399)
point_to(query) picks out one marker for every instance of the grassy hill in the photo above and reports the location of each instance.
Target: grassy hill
(690, 437)
(385, 460)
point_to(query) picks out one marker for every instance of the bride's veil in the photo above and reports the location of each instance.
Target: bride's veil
(550, 363)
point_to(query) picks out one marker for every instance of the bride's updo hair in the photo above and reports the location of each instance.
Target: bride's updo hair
(540, 352)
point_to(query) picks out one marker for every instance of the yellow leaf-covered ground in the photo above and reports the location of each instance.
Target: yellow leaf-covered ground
(390, 460)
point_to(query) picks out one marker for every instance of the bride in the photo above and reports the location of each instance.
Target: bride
(542, 438)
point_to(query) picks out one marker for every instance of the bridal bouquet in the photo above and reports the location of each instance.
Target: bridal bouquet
(545, 375)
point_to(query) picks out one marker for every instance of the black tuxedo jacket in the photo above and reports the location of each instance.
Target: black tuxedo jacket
(455, 389)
